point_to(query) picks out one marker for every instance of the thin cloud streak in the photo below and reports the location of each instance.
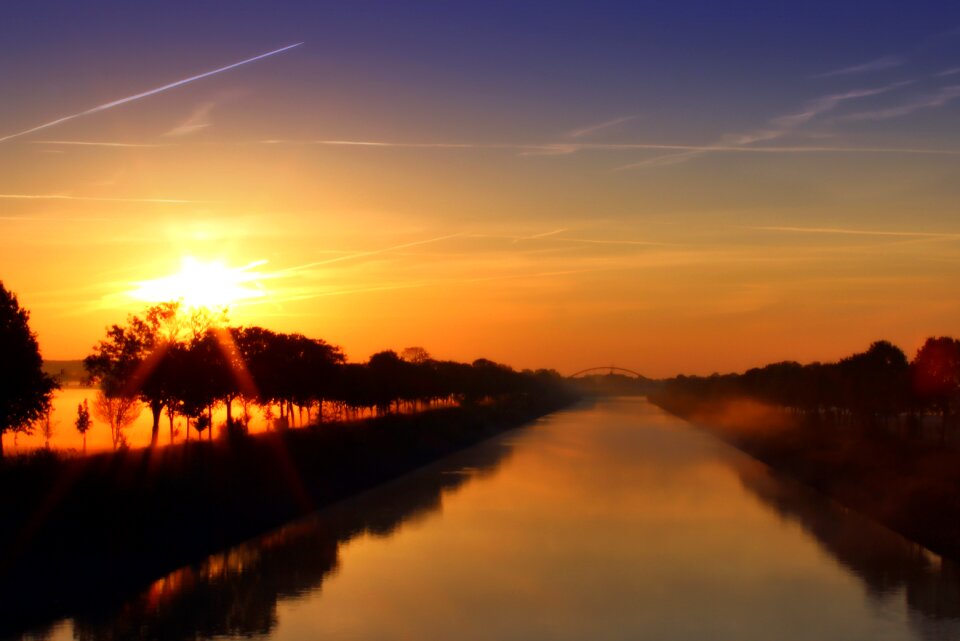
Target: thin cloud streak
(779, 126)
(555, 149)
(198, 120)
(858, 232)
(317, 292)
(598, 241)
(885, 62)
(145, 94)
(825, 104)
(167, 201)
(361, 254)
(60, 219)
(374, 143)
(589, 129)
(99, 143)
(565, 148)
(552, 236)
(943, 97)
(542, 235)
(699, 151)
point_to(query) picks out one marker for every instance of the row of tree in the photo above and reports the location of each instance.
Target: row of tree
(186, 364)
(869, 388)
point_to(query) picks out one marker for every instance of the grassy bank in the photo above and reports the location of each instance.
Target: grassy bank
(910, 486)
(81, 532)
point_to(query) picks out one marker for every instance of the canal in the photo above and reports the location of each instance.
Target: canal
(610, 520)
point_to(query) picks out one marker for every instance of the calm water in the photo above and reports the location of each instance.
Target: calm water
(612, 521)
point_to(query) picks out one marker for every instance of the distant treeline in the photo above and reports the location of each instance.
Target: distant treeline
(873, 388)
(187, 365)
(67, 372)
(849, 429)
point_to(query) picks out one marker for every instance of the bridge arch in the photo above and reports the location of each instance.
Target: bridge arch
(609, 369)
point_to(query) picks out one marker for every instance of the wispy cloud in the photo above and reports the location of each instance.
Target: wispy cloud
(886, 62)
(364, 254)
(735, 144)
(555, 237)
(776, 128)
(59, 219)
(174, 201)
(825, 104)
(552, 150)
(197, 120)
(949, 72)
(606, 124)
(859, 232)
(696, 151)
(599, 241)
(98, 143)
(145, 94)
(739, 143)
(373, 143)
(942, 97)
(542, 234)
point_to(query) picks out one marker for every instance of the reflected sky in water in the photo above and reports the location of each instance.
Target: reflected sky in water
(610, 521)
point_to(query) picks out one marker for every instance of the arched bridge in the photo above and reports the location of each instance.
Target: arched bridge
(609, 369)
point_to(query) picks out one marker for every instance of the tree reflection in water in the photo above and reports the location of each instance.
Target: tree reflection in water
(888, 564)
(236, 592)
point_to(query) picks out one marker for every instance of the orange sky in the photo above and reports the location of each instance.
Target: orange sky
(531, 226)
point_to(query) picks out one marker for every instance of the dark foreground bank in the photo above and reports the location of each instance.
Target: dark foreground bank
(910, 486)
(83, 533)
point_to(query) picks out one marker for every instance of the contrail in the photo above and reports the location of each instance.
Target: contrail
(362, 254)
(173, 201)
(98, 143)
(150, 92)
(859, 232)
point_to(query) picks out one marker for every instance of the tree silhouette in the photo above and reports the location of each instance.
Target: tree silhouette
(186, 366)
(82, 422)
(47, 427)
(871, 389)
(127, 363)
(25, 390)
(876, 382)
(415, 354)
(118, 412)
(936, 375)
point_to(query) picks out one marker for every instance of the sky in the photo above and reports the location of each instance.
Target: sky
(667, 187)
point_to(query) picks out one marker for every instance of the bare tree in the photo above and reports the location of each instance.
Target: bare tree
(47, 427)
(83, 421)
(119, 412)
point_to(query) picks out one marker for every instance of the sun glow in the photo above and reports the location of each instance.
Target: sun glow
(204, 284)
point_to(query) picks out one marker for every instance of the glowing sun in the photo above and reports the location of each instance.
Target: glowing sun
(204, 284)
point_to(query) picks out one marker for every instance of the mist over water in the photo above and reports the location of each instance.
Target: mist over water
(66, 438)
(606, 521)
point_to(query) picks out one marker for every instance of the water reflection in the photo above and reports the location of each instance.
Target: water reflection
(890, 566)
(236, 593)
(610, 521)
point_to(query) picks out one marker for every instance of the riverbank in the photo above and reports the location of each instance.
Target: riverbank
(910, 486)
(84, 532)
